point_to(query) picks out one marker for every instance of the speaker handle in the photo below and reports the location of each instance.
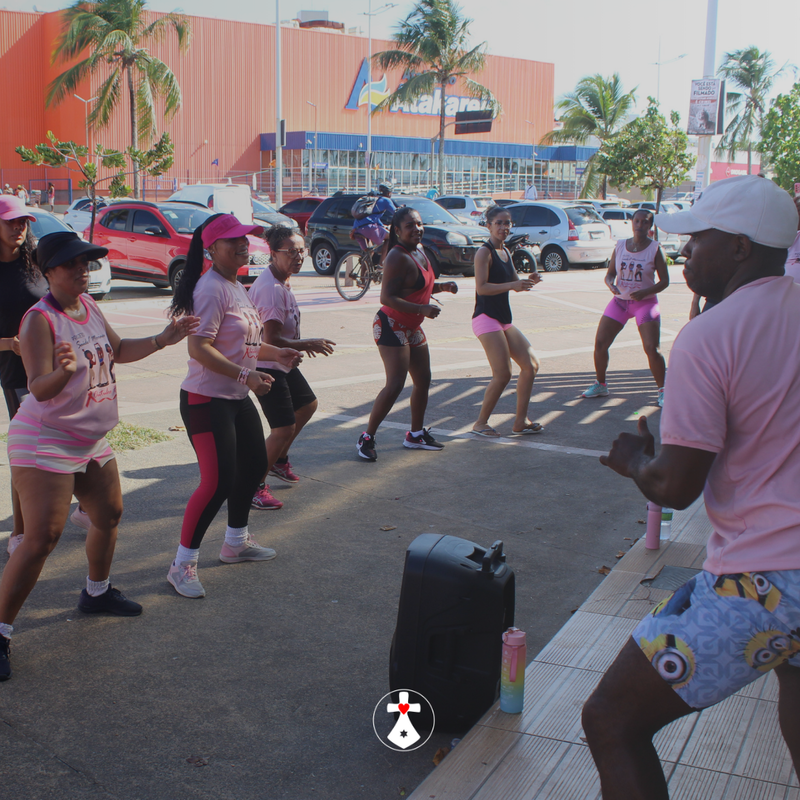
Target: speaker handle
(493, 557)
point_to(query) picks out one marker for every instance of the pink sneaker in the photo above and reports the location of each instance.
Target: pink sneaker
(13, 543)
(80, 518)
(285, 473)
(264, 501)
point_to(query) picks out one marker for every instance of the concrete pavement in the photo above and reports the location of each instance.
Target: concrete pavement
(265, 688)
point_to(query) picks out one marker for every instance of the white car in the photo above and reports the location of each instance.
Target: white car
(99, 270)
(619, 220)
(569, 233)
(466, 207)
(79, 215)
(227, 198)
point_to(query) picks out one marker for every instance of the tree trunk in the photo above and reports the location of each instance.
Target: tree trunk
(134, 132)
(441, 141)
(94, 212)
(605, 185)
(749, 159)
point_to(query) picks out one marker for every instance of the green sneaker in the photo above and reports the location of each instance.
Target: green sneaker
(597, 389)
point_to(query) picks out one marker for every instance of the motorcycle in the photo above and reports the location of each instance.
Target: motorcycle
(523, 253)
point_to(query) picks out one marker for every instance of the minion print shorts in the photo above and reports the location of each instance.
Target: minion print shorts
(717, 633)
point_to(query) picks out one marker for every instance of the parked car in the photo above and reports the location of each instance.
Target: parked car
(78, 216)
(228, 198)
(600, 205)
(301, 209)
(149, 241)
(619, 221)
(449, 245)
(99, 270)
(268, 215)
(496, 201)
(465, 205)
(667, 206)
(568, 233)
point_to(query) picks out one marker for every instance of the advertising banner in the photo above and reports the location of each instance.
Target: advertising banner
(706, 107)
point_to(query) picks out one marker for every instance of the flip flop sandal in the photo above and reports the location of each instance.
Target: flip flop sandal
(534, 427)
(488, 432)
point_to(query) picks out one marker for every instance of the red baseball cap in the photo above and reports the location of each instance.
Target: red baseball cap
(226, 226)
(12, 207)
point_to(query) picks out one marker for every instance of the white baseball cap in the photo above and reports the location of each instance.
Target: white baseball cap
(749, 205)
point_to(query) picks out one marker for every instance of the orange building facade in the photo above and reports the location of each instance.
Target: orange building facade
(226, 125)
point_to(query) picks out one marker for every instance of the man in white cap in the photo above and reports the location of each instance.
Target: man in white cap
(731, 428)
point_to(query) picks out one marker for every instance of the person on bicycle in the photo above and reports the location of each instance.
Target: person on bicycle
(371, 227)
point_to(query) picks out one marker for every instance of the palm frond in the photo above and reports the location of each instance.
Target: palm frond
(67, 82)
(107, 98)
(408, 92)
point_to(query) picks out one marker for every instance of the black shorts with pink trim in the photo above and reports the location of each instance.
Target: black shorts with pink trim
(392, 333)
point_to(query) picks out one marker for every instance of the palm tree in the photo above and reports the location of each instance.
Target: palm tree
(596, 107)
(433, 48)
(754, 73)
(113, 34)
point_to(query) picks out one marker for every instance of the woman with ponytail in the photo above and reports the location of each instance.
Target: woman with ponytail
(220, 418)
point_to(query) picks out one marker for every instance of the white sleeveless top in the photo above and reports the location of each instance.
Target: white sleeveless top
(635, 271)
(87, 406)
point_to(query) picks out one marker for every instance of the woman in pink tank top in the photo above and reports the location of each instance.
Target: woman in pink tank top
(56, 442)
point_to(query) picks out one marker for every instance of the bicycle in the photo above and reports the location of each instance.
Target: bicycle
(355, 272)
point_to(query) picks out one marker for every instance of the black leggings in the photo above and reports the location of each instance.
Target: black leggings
(229, 442)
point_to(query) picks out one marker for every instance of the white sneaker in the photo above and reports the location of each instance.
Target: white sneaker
(661, 397)
(251, 550)
(13, 543)
(184, 578)
(80, 518)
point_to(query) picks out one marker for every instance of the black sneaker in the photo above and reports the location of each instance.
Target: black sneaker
(5, 662)
(112, 601)
(422, 442)
(366, 447)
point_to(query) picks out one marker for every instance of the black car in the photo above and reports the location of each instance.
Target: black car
(449, 245)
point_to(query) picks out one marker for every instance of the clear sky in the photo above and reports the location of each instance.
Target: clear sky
(580, 37)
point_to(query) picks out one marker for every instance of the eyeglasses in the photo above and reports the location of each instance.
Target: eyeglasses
(293, 252)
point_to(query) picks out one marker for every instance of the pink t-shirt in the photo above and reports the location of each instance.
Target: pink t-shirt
(276, 301)
(732, 389)
(228, 318)
(87, 405)
(793, 259)
(635, 271)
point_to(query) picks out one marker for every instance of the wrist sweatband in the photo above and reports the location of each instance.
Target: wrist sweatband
(243, 376)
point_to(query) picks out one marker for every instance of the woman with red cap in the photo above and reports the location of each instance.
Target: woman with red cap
(56, 442)
(220, 418)
(21, 285)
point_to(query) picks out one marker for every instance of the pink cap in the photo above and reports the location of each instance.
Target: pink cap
(226, 227)
(514, 636)
(12, 207)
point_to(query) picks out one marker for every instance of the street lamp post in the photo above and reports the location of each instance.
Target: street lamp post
(533, 156)
(659, 63)
(369, 14)
(314, 153)
(86, 117)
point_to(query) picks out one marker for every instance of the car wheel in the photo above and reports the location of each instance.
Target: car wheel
(176, 274)
(435, 266)
(554, 260)
(324, 259)
(523, 261)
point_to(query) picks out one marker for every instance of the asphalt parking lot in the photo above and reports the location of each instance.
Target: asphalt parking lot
(266, 688)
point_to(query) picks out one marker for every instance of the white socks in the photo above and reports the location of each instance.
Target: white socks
(186, 554)
(418, 433)
(96, 588)
(6, 630)
(236, 537)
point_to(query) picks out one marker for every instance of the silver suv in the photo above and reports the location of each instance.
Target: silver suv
(568, 233)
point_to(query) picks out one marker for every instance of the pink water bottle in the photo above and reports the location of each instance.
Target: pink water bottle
(653, 533)
(512, 671)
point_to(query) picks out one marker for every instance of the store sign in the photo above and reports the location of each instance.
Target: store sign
(427, 105)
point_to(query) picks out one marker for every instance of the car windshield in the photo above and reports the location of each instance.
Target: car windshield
(46, 224)
(582, 215)
(483, 202)
(186, 220)
(263, 208)
(430, 212)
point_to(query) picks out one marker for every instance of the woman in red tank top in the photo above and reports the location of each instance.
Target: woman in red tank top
(408, 282)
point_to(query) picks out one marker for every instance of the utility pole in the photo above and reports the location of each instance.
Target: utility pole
(709, 71)
(279, 127)
(86, 118)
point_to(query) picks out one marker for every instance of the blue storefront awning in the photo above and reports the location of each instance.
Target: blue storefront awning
(352, 142)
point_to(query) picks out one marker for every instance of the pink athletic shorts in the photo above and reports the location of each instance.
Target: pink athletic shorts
(486, 324)
(642, 310)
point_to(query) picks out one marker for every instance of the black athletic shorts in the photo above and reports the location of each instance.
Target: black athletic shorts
(290, 391)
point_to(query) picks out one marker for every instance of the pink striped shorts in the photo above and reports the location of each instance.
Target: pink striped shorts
(34, 444)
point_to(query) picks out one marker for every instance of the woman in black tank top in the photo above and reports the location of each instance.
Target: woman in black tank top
(495, 277)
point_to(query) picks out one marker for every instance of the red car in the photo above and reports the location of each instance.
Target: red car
(301, 209)
(149, 241)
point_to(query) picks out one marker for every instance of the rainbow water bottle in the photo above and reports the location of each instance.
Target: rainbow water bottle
(512, 671)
